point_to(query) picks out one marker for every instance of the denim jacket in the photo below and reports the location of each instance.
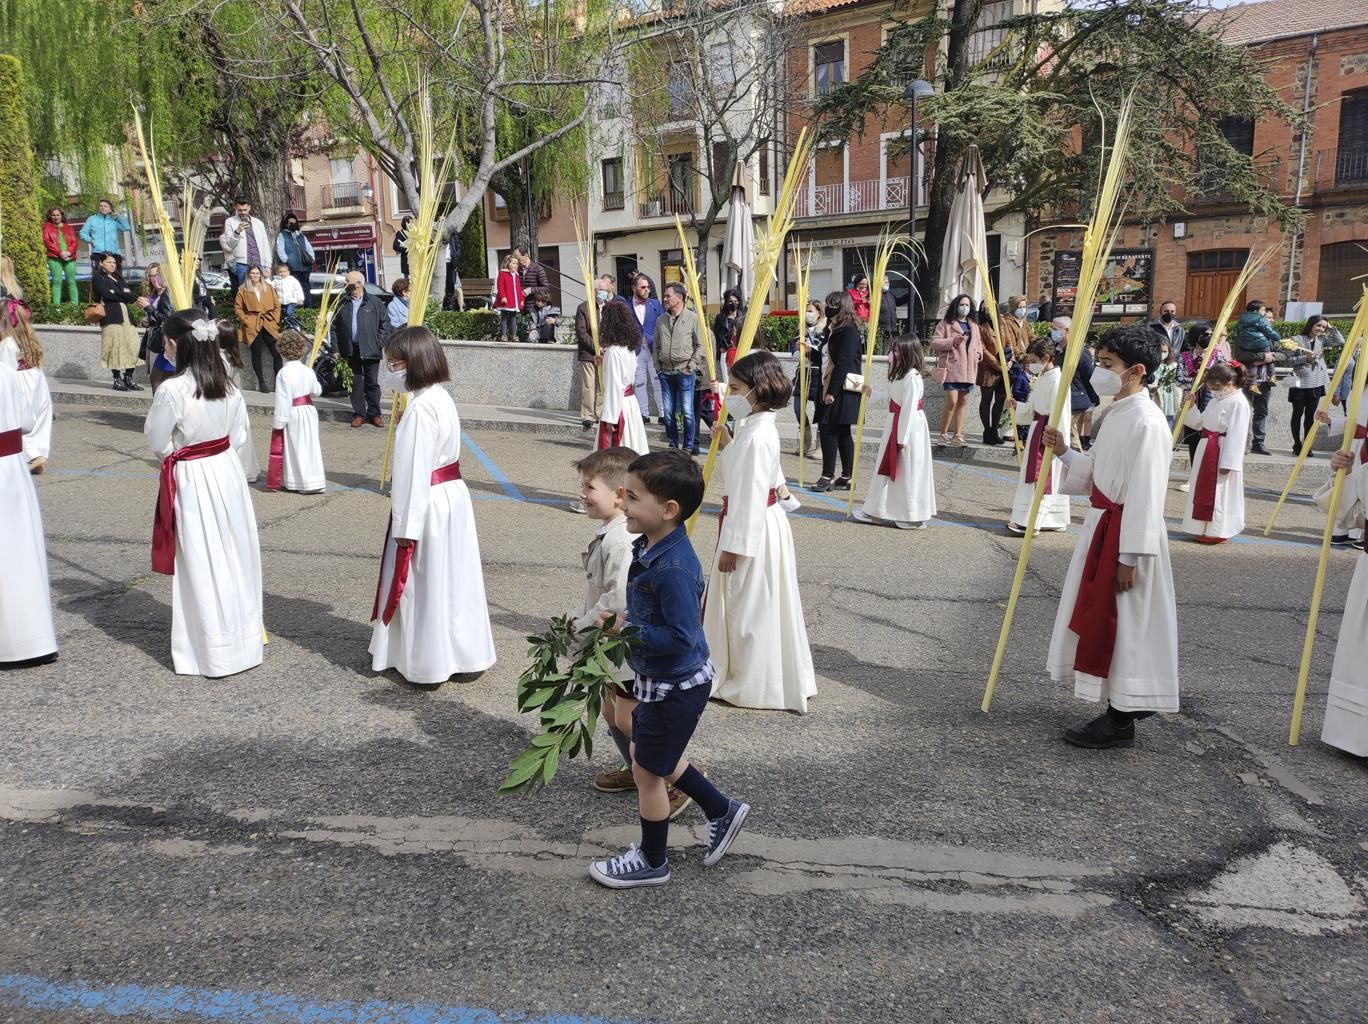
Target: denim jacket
(664, 602)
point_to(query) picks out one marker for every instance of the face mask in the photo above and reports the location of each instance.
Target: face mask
(601, 295)
(1056, 335)
(1166, 317)
(1020, 314)
(397, 380)
(811, 318)
(831, 311)
(963, 312)
(731, 303)
(1105, 382)
(1035, 369)
(885, 287)
(291, 227)
(738, 406)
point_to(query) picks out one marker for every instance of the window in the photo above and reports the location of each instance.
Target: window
(679, 90)
(830, 166)
(1210, 276)
(681, 174)
(721, 154)
(342, 171)
(765, 168)
(828, 66)
(1340, 263)
(613, 197)
(1239, 132)
(1351, 159)
(988, 31)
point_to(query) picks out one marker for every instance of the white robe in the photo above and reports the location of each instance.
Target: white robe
(1229, 415)
(619, 371)
(37, 439)
(911, 498)
(303, 469)
(1347, 522)
(441, 627)
(753, 616)
(25, 602)
(1129, 463)
(216, 591)
(1054, 507)
(246, 449)
(1346, 705)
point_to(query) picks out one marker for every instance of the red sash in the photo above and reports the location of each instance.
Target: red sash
(1035, 453)
(888, 465)
(11, 442)
(722, 516)
(275, 465)
(1360, 433)
(403, 556)
(303, 400)
(1204, 494)
(610, 436)
(164, 521)
(1094, 612)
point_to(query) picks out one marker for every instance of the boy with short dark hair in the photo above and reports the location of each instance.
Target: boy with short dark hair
(674, 675)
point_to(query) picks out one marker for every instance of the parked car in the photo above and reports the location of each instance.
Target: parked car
(316, 282)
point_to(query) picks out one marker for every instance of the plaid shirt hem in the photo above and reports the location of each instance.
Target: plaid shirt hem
(650, 690)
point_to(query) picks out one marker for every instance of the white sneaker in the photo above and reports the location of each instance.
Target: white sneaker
(1183, 487)
(909, 526)
(861, 516)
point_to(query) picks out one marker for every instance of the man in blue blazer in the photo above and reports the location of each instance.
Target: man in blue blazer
(646, 308)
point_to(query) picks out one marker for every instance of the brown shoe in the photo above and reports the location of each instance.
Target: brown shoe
(678, 801)
(618, 781)
(37, 465)
(357, 421)
(376, 421)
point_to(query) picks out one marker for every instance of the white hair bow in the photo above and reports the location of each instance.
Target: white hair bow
(204, 330)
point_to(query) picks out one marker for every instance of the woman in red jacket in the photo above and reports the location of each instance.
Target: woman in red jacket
(859, 297)
(59, 240)
(508, 298)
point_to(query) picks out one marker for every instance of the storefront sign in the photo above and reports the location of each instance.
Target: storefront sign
(350, 236)
(1126, 288)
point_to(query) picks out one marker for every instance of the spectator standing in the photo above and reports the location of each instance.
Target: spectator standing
(814, 336)
(59, 242)
(453, 295)
(398, 309)
(401, 245)
(531, 273)
(726, 327)
(258, 313)
(244, 242)
(1082, 397)
(1044, 309)
(647, 310)
(101, 233)
(1168, 326)
(888, 313)
(959, 349)
(543, 317)
(199, 292)
(585, 356)
(1255, 343)
(1016, 329)
(859, 297)
(290, 294)
(678, 356)
(841, 405)
(1310, 376)
(294, 249)
(508, 298)
(118, 337)
(359, 332)
(988, 379)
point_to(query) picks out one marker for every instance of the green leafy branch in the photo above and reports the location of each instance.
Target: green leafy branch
(567, 699)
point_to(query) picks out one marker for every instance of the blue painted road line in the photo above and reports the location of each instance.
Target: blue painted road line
(176, 1002)
(500, 478)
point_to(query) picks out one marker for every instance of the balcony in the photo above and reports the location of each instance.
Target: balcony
(614, 201)
(667, 205)
(853, 197)
(342, 199)
(296, 202)
(1343, 168)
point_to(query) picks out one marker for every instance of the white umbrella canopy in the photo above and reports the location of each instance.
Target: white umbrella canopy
(738, 247)
(958, 270)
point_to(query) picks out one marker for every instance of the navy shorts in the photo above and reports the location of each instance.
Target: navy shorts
(957, 386)
(661, 729)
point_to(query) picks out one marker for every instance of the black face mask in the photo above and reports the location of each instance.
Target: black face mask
(292, 226)
(831, 311)
(1166, 317)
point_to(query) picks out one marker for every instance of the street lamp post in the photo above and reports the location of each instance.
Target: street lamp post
(920, 89)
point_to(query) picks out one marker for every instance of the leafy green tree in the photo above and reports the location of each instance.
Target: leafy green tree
(1036, 102)
(20, 234)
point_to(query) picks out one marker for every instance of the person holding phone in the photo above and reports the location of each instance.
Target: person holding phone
(245, 242)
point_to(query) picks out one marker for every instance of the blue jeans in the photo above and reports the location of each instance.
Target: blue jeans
(677, 390)
(240, 271)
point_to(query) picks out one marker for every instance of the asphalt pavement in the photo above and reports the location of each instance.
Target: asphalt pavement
(311, 841)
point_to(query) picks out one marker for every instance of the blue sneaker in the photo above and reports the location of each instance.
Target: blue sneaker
(628, 870)
(723, 831)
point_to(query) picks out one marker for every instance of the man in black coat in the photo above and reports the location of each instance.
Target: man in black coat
(359, 330)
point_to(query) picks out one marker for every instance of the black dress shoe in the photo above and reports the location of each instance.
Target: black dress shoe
(822, 484)
(120, 385)
(1259, 449)
(841, 483)
(1102, 733)
(133, 385)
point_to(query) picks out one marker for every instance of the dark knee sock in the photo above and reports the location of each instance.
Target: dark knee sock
(654, 837)
(709, 798)
(1124, 718)
(623, 744)
(115, 373)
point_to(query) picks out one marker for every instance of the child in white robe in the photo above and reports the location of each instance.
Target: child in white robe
(19, 349)
(26, 633)
(296, 461)
(902, 492)
(229, 347)
(752, 610)
(204, 535)
(620, 420)
(1215, 496)
(1116, 632)
(430, 619)
(1346, 705)
(1054, 504)
(1348, 529)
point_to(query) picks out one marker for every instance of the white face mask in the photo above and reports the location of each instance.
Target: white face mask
(738, 406)
(963, 312)
(601, 295)
(1105, 382)
(1035, 369)
(811, 318)
(397, 380)
(1020, 314)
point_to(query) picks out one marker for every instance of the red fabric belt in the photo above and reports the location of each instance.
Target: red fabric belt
(1094, 612)
(403, 556)
(1208, 473)
(164, 521)
(888, 465)
(1035, 452)
(303, 400)
(722, 516)
(631, 391)
(11, 442)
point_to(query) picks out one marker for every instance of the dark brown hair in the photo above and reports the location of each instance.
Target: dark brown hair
(906, 357)
(845, 310)
(400, 287)
(228, 343)
(771, 387)
(292, 344)
(199, 359)
(1043, 348)
(618, 326)
(55, 209)
(609, 465)
(419, 350)
(671, 475)
(1228, 373)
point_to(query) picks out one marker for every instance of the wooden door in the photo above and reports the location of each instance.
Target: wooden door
(1206, 290)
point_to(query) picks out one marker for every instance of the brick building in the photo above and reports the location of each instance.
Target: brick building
(1317, 57)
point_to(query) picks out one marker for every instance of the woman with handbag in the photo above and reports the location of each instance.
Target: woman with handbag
(1310, 376)
(119, 340)
(959, 348)
(258, 312)
(842, 387)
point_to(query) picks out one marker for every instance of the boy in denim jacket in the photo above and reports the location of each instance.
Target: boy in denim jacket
(673, 674)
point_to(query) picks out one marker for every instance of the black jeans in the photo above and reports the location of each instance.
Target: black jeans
(991, 401)
(836, 439)
(265, 343)
(302, 276)
(1258, 405)
(365, 392)
(1304, 402)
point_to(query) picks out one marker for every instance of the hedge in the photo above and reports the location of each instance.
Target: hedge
(18, 191)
